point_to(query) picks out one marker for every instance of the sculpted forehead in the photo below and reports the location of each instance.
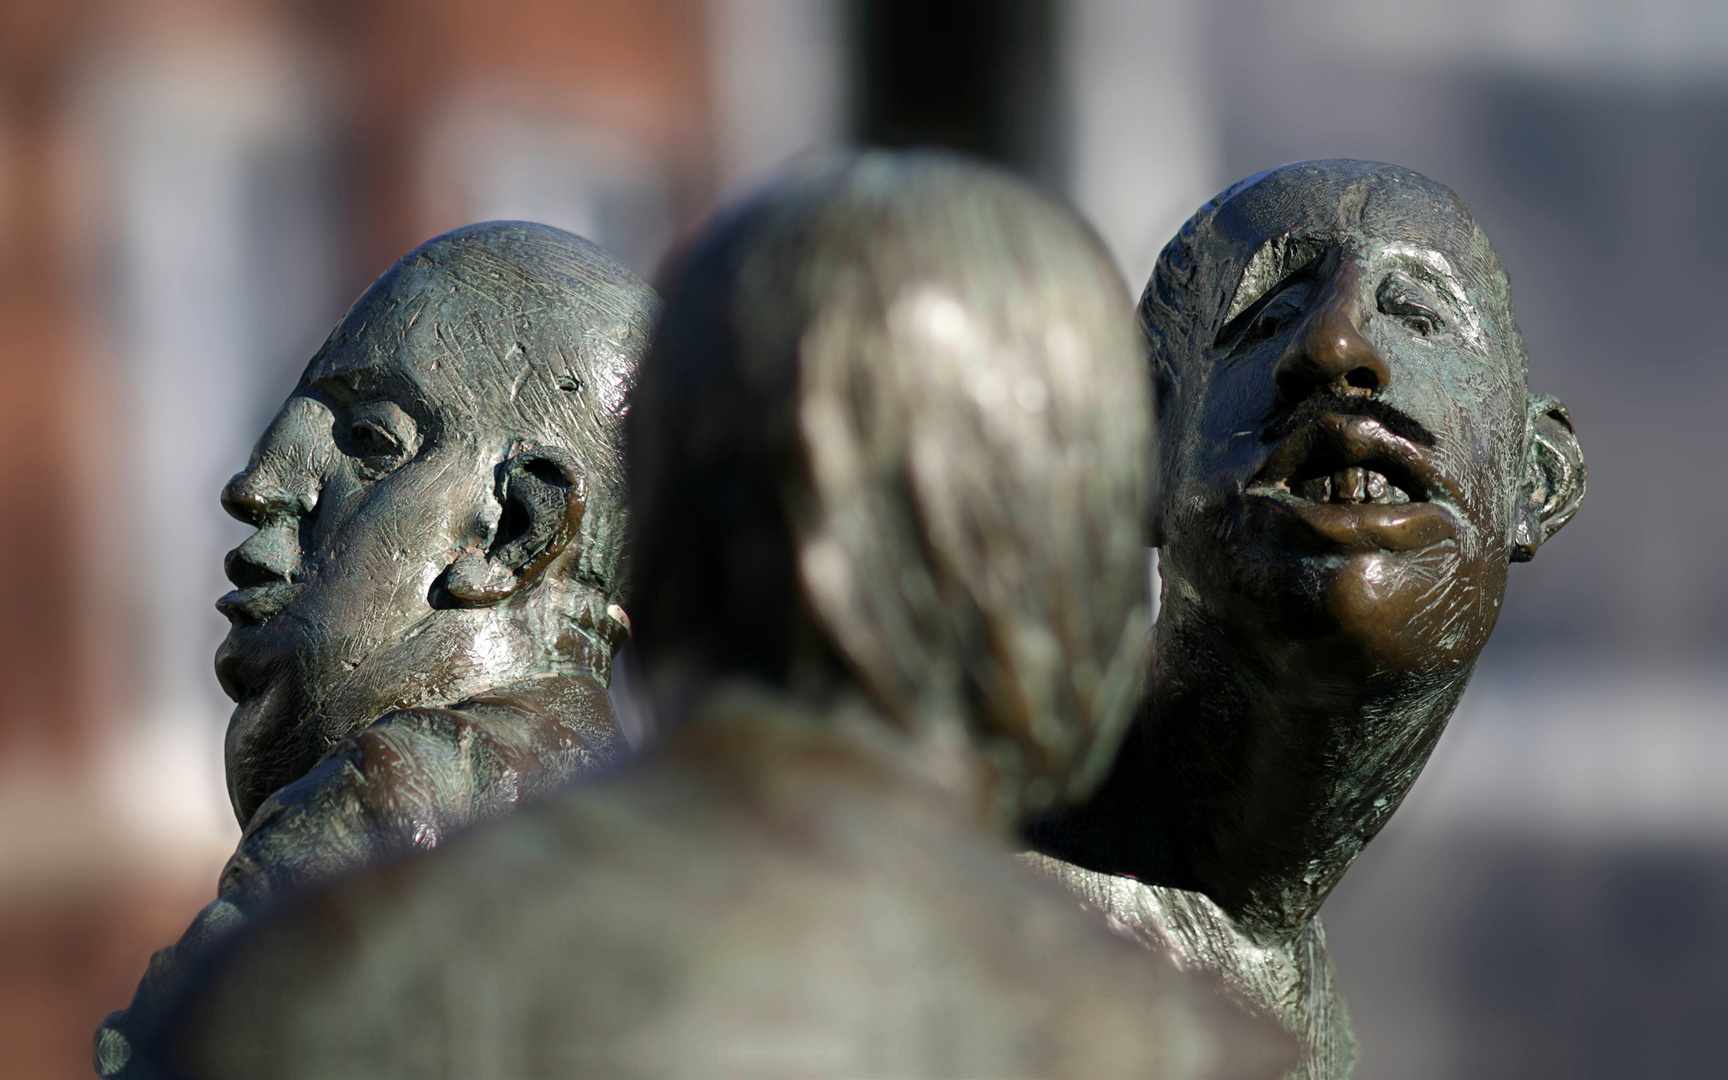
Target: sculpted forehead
(1272, 224)
(395, 337)
(541, 326)
(1346, 199)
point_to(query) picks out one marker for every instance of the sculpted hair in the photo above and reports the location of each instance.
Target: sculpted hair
(543, 331)
(896, 406)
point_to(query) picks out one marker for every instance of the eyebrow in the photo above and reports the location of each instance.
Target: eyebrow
(1274, 260)
(1433, 268)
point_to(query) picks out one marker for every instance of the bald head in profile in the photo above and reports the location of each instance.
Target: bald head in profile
(424, 619)
(439, 502)
(888, 465)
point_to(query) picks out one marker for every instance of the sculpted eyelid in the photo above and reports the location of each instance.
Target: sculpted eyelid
(377, 425)
(1283, 289)
(1407, 290)
(1427, 279)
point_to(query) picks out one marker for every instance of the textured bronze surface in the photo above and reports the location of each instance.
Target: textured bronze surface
(1292, 980)
(424, 621)
(1351, 460)
(889, 459)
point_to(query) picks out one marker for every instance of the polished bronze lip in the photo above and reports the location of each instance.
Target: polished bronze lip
(1407, 526)
(1360, 440)
(1351, 440)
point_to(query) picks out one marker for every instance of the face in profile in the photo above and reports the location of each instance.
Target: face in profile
(456, 439)
(366, 486)
(1350, 450)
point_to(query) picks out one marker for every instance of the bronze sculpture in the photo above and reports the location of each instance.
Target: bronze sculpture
(1351, 460)
(888, 458)
(439, 510)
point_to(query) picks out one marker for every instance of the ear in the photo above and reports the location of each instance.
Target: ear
(544, 498)
(1553, 477)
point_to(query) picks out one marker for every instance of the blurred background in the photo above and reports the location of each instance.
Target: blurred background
(191, 191)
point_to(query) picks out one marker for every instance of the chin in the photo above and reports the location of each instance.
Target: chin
(244, 753)
(265, 744)
(1369, 612)
(1407, 612)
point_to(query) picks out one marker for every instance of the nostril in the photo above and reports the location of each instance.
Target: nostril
(1362, 379)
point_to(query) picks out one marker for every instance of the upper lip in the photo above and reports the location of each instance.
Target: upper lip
(1334, 442)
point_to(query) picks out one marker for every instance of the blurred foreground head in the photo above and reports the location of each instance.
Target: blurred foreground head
(893, 441)
(439, 506)
(889, 460)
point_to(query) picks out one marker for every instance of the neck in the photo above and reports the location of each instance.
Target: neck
(1256, 782)
(1273, 776)
(793, 754)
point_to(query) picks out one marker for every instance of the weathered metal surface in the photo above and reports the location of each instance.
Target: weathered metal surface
(889, 461)
(424, 621)
(1351, 460)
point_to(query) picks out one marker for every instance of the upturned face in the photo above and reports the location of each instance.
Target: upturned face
(371, 480)
(1346, 443)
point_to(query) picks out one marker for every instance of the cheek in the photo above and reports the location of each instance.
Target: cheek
(381, 562)
(421, 514)
(1490, 475)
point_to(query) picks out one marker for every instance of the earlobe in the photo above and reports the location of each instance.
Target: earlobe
(1554, 473)
(543, 499)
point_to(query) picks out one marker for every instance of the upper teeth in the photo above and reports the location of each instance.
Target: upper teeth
(1353, 485)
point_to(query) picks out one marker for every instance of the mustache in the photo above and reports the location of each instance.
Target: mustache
(1311, 408)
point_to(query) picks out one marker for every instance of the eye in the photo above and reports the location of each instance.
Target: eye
(382, 437)
(1279, 314)
(1402, 301)
(372, 439)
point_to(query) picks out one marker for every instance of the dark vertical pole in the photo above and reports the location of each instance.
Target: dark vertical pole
(977, 76)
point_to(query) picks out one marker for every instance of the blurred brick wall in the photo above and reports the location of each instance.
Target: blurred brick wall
(80, 907)
(635, 66)
(43, 704)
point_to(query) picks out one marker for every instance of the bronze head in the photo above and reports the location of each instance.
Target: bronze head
(439, 505)
(889, 460)
(1350, 450)
(1351, 459)
(831, 491)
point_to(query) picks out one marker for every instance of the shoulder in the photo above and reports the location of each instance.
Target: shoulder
(648, 925)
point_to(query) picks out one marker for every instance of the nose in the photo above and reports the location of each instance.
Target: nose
(1328, 351)
(258, 495)
(260, 498)
(286, 473)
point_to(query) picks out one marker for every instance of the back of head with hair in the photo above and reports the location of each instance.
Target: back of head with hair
(895, 432)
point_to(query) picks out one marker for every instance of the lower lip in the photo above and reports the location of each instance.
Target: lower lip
(1368, 526)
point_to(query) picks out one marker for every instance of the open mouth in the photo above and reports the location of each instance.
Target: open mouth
(1380, 483)
(1357, 485)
